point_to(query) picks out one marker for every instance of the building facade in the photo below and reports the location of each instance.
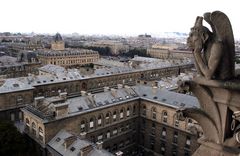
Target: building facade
(58, 55)
(136, 120)
(164, 53)
(24, 89)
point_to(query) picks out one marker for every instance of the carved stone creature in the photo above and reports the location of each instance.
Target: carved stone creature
(214, 51)
(217, 90)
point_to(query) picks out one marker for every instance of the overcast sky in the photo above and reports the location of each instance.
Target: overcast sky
(121, 17)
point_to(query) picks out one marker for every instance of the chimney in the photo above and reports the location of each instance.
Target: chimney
(154, 90)
(106, 89)
(86, 150)
(38, 101)
(126, 86)
(63, 95)
(114, 92)
(119, 86)
(119, 153)
(99, 145)
(68, 141)
(83, 135)
(83, 93)
(61, 109)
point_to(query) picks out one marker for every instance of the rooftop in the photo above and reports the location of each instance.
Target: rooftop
(56, 75)
(67, 144)
(90, 102)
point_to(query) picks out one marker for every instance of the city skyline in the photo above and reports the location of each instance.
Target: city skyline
(106, 17)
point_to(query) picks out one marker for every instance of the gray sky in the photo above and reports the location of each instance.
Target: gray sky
(121, 17)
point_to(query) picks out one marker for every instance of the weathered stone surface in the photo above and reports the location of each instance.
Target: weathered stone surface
(216, 88)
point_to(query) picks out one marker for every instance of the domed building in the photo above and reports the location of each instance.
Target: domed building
(58, 43)
(66, 57)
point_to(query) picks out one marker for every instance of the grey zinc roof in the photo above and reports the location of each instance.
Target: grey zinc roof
(53, 69)
(15, 84)
(57, 144)
(166, 97)
(88, 102)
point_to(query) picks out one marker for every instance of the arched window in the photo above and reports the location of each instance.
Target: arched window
(83, 126)
(144, 110)
(134, 110)
(27, 125)
(99, 120)
(121, 114)
(175, 137)
(164, 116)
(128, 112)
(154, 113)
(188, 142)
(176, 121)
(164, 132)
(108, 134)
(115, 116)
(107, 118)
(34, 128)
(40, 133)
(91, 123)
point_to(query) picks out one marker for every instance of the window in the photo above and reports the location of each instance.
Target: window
(144, 110)
(174, 151)
(154, 113)
(188, 142)
(100, 137)
(114, 116)
(82, 126)
(175, 137)
(163, 148)
(34, 128)
(115, 131)
(19, 99)
(27, 125)
(127, 126)
(121, 114)
(128, 112)
(134, 110)
(107, 118)
(165, 116)
(91, 123)
(108, 134)
(99, 120)
(40, 132)
(176, 124)
(121, 129)
(164, 132)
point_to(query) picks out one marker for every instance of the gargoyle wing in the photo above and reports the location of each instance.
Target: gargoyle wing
(222, 31)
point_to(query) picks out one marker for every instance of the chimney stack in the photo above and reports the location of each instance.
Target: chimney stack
(38, 101)
(106, 89)
(119, 86)
(83, 93)
(99, 145)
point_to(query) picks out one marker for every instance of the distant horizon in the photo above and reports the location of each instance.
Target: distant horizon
(107, 17)
(120, 35)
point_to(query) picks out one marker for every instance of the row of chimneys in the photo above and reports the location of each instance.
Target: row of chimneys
(86, 150)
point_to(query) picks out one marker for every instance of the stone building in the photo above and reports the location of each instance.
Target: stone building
(25, 63)
(58, 55)
(136, 120)
(17, 92)
(165, 53)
